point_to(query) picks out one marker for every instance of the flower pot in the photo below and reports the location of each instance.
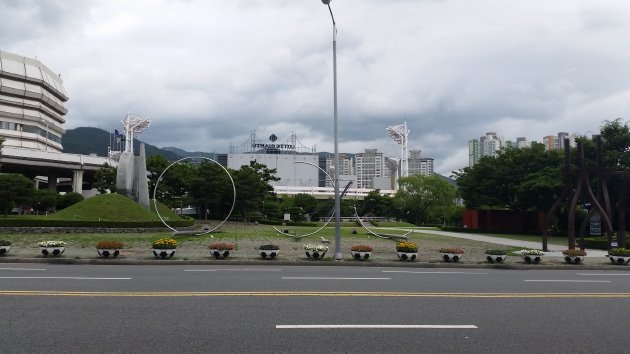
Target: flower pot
(574, 259)
(269, 254)
(218, 254)
(496, 258)
(360, 256)
(4, 250)
(107, 252)
(52, 251)
(164, 253)
(315, 254)
(619, 259)
(407, 256)
(531, 259)
(451, 257)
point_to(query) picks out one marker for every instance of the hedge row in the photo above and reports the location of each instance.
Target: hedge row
(600, 243)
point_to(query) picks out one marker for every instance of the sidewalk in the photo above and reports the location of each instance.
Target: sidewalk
(553, 250)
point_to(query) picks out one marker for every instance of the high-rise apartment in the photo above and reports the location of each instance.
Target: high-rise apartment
(419, 165)
(369, 164)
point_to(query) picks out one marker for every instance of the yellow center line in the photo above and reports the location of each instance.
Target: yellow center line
(305, 294)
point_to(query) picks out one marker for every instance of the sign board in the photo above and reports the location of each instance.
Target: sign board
(287, 217)
(596, 225)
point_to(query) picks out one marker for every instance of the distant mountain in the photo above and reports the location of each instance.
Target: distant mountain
(87, 141)
(184, 153)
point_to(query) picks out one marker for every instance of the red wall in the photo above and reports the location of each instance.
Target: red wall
(503, 220)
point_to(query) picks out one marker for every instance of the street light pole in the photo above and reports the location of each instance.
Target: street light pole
(338, 255)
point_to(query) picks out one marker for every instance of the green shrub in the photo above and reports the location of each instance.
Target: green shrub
(68, 199)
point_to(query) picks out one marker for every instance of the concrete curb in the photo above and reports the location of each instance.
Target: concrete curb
(319, 263)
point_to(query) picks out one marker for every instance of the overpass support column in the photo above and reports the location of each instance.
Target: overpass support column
(52, 180)
(77, 181)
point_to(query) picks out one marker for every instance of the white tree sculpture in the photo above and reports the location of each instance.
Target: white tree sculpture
(133, 125)
(399, 134)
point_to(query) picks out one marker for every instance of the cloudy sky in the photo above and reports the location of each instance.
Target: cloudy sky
(209, 72)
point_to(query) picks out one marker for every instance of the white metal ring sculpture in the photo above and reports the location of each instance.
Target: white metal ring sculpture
(157, 183)
(330, 218)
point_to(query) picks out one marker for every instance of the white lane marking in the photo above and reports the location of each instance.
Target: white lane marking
(22, 269)
(227, 270)
(74, 278)
(332, 278)
(602, 274)
(567, 281)
(376, 326)
(412, 272)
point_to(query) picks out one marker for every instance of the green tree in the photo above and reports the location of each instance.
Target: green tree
(105, 179)
(15, 190)
(307, 202)
(252, 185)
(209, 188)
(156, 164)
(519, 179)
(271, 209)
(69, 199)
(616, 144)
(424, 198)
(173, 189)
(45, 200)
(376, 204)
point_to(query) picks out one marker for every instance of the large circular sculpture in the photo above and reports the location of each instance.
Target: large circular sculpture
(157, 183)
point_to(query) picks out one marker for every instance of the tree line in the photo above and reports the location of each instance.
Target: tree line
(206, 186)
(532, 178)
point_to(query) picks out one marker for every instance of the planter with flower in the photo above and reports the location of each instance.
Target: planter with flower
(496, 255)
(164, 247)
(54, 248)
(315, 251)
(619, 255)
(531, 256)
(108, 249)
(269, 251)
(407, 251)
(361, 252)
(5, 246)
(451, 253)
(220, 249)
(574, 256)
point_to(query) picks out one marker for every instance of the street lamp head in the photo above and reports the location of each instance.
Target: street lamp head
(326, 2)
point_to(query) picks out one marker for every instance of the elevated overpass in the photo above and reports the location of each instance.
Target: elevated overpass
(80, 169)
(328, 192)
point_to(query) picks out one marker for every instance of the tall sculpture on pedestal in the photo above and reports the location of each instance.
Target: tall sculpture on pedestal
(131, 178)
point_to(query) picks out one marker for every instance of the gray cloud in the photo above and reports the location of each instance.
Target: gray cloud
(208, 73)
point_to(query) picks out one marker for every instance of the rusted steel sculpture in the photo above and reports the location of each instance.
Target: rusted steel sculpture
(600, 203)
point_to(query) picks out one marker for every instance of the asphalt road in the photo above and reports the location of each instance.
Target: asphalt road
(289, 309)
